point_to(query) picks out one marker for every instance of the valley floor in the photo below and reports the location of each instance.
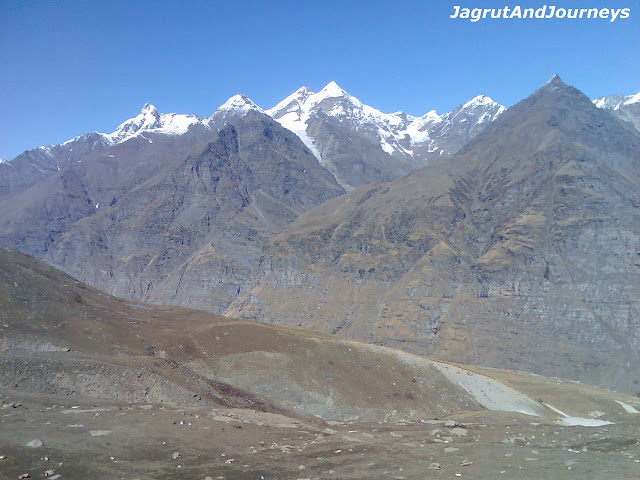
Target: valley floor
(88, 438)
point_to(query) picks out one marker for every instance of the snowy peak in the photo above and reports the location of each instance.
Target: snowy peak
(555, 79)
(479, 101)
(625, 107)
(398, 134)
(149, 120)
(332, 89)
(632, 99)
(239, 103)
(149, 109)
(291, 103)
(615, 102)
(554, 84)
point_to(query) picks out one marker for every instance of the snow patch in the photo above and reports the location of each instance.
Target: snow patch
(569, 421)
(488, 392)
(632, 99)
(628, 408)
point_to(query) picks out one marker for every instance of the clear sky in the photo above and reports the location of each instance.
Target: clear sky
(69, 67)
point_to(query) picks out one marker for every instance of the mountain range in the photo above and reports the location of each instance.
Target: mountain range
(131, 213)
(502, 237)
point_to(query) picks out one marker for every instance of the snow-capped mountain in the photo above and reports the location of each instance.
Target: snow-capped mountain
(616, 101)
(357, 143)
(149, 120)
(175, 133)
(626, 107)
(411, 141)
(206, 192)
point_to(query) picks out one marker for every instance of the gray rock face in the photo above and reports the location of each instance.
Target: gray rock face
(127, 213)
(189, 234)
(360, 144)
(520, 251)
(626, 107)
(77, 179)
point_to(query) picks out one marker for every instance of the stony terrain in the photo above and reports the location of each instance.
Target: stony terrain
(88, 438)
(521, 251)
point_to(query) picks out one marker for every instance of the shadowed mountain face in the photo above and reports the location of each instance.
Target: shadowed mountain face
(522, 250)
(189, 234)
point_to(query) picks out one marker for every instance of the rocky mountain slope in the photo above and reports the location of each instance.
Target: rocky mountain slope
(92, 386)
(626, 107)
(189, 234)
(93, 205)
(130, 146)
(169, 215)
(520, 250)
(360, 144)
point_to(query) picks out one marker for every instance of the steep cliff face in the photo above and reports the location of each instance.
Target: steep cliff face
(189, 234)
(521, 251)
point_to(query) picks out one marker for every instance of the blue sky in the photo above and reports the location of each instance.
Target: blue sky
(71, 67)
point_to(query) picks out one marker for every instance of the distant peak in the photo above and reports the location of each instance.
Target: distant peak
(301, 94)
(333, 88)
(150, 109)
(239, 102)
(555, 81)
(479, 100)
